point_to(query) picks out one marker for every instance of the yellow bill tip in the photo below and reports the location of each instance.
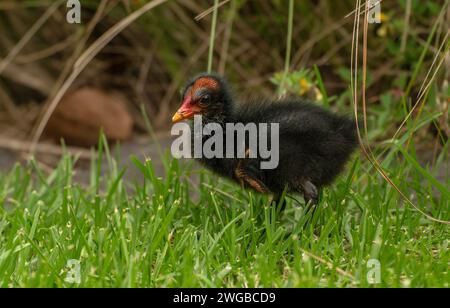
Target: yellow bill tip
(177, 117)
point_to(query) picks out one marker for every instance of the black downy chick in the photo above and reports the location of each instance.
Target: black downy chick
(314, 144)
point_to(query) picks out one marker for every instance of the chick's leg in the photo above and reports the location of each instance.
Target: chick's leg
(310, 192)
(245, 174)
(246, 177)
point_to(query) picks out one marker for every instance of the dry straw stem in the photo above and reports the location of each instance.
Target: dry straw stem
(366, 8)
(423, 88)
(423, 91)
(84, 60)
(29, 35)
(22, 146)
(354, 86)
(47, 52)
(68, 67)
(210, 10)
(441, 52)
(14, 4)
(328, 264)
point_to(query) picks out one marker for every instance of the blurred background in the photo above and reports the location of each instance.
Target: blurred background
(140, 72)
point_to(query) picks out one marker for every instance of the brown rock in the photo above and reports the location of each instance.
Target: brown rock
(82, 114)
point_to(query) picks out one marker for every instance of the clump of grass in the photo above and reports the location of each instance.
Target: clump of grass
(171, 232)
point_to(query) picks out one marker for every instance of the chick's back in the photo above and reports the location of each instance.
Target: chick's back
(314, 143)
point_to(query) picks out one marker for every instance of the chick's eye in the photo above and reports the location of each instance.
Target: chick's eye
(205, 99)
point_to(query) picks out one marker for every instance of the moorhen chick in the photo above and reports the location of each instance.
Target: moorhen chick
(314, 144)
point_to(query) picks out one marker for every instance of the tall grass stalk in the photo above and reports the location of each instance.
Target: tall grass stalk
(287, 59)
(212, 36)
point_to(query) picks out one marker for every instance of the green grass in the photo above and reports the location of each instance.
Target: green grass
(170, 232)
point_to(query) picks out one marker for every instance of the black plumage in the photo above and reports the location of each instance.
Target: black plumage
(314, 144)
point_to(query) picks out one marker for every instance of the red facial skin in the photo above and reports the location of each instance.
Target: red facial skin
(190, 106)
(187, 110)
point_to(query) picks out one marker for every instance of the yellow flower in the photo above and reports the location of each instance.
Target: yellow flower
(383, 17)
(304, 86)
